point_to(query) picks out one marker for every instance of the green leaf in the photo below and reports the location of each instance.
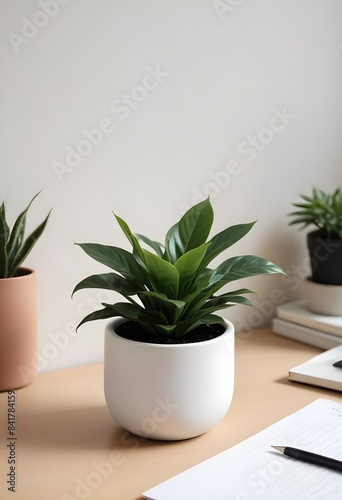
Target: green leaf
(213, 319)
(125, 309)
(171, 309)
(183, 327)
(116, 258)
(233, 269)
(166, 330)
(5, 228)
(155, 245)
(155, 317)
(226, 239)
(243, 266)
(322, 210)
(190, 232)
(100, 314)
(27, 246)
(17, 234)
(163, 275)
(188, 264)
(234, 297)
(134, 312)
(205, 299)
(108, 281)
(4, 233)
(213, 305)
(197, 288)
(131, 237)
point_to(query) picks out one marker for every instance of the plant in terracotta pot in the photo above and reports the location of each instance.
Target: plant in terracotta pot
(169, 358)
(324, 212)
(18, 302)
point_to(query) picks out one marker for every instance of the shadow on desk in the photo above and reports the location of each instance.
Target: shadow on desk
(81, 429)
(321, 391)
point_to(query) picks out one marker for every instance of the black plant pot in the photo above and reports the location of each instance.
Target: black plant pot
(325, 258)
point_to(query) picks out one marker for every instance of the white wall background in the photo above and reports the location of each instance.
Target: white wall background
(226, 68)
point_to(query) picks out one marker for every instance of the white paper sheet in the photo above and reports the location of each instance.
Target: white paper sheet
(253, 470)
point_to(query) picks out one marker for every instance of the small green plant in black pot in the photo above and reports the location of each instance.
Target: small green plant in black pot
(324, 211)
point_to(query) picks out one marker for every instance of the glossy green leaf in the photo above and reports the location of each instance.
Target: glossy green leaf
(26, 247)
(321, 210)
(235, 297)
(107, 281)
(5, 230)
(16, 238)
(125, 309)
(183, 327)
(104, 313)
(171, 309)
(4, 234)
(116, 258)
(226, 239)
(188, 264)
(155, 245)
(243, 266)
(164, 277)
(131, 237)
(190, 232)
(13, 247)
(151, 316)
(198, 292)
(166, 330)
(207, 309)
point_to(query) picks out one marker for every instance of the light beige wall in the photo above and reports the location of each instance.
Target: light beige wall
(181, 90)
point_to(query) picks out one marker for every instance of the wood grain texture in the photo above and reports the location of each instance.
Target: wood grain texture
(68, 447)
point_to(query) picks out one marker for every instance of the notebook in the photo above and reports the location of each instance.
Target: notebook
(298, 312)
(305, 334)
(253, 470)
(320, 371)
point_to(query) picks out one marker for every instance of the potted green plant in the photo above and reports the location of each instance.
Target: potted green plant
(18, 302)
(323, 289)
(169, 359)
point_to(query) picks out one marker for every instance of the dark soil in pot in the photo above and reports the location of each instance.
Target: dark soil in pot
(131, 331)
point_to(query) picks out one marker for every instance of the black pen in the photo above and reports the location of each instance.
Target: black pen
(312, 458)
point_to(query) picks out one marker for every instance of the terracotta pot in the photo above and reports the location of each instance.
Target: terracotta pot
(18, 330)
(168, 391)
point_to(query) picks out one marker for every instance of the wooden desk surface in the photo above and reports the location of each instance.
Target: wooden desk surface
(68, 446)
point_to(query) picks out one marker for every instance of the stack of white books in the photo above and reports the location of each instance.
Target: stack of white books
(295, 321)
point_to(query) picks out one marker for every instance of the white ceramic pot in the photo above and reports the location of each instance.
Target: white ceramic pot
(323, 299)
(168, 392)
